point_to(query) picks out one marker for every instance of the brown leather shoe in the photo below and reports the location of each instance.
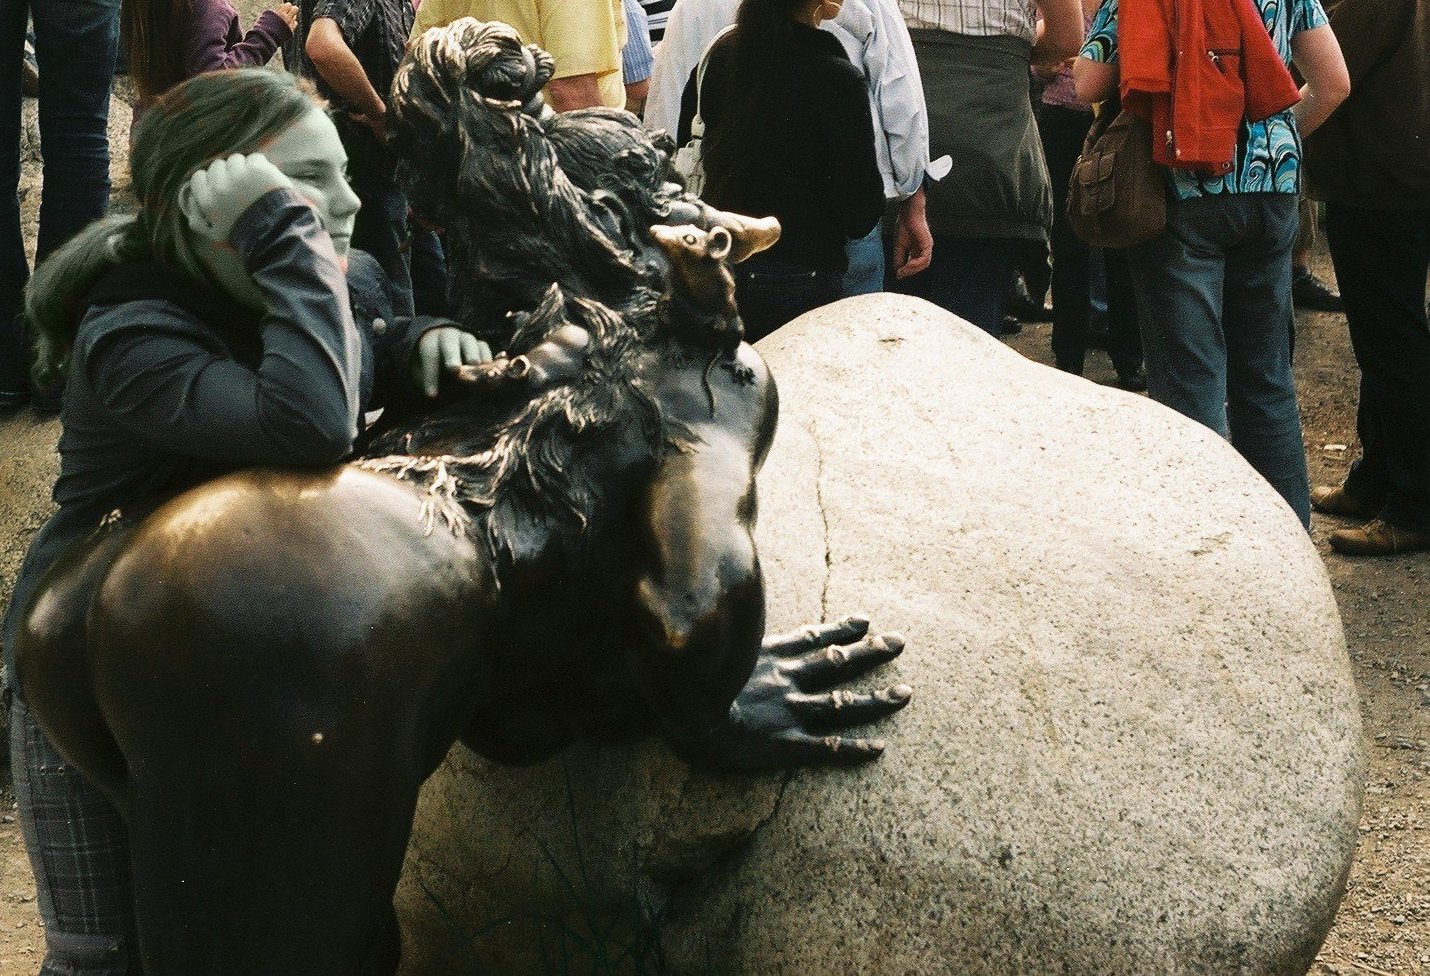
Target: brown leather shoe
(1378, 538)
(1335, 500)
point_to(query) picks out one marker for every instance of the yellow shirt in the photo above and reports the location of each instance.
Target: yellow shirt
(584, 36)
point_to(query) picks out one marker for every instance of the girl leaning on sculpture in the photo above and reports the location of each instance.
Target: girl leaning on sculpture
(253, 678)
(227, 325)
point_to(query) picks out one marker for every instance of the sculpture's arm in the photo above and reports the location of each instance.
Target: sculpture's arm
(724, 696)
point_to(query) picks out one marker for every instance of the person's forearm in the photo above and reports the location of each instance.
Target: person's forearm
(1313, 109)
(573, 92)
(636, 93)
(1094, 80)
(1060, 31)
(1317, 55)
(340, 68)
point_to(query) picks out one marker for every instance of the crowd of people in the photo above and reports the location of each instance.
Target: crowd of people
(273, 284)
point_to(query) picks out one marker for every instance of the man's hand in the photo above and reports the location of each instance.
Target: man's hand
(913, 242)
(340, 68)
(573, 92)
(794, 708)
(376, 121)
(445, 350)
(217, 195)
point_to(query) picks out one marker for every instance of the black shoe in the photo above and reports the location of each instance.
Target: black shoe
(14, 387)
(1132, 380)
(1010, 325)
(47, 400)
(1024, 308)
(1308, 291)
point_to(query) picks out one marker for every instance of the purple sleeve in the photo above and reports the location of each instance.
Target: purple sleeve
(215, 42)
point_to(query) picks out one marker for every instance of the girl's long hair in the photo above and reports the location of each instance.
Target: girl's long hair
(153, 34)
(192, 124)
(755, 96)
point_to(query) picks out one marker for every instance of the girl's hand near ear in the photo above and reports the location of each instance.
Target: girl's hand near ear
(217, 195)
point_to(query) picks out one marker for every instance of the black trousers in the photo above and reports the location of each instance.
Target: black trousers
(1062, 131)
(1381, 260)
(770, 293)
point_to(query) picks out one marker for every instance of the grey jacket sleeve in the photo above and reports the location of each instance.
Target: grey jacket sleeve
(301, 405)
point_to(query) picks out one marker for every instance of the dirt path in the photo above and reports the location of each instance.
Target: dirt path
(1384, 923)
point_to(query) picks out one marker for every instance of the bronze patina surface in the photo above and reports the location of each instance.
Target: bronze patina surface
(262, 672)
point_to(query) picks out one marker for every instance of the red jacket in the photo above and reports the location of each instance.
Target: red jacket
(1197, 69)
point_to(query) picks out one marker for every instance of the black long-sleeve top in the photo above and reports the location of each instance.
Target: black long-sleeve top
(819, 174)
(171, 384)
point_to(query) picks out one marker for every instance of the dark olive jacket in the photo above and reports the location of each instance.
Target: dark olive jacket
(1374, 152)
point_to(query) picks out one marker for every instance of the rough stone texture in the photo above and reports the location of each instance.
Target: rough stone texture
(1134, 746)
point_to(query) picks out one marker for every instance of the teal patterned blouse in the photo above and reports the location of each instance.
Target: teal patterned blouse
(1268, 153)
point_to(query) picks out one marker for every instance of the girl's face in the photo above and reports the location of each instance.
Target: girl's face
(310, 154)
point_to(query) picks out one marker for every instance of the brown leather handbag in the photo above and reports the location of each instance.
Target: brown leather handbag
(1117, 196)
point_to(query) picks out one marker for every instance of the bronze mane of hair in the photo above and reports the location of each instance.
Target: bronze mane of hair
(478, 161)
(496, 466)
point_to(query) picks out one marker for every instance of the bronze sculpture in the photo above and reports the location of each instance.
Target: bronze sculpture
(564, 549)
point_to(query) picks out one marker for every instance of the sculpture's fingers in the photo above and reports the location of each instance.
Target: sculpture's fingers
(841, 709)
(816, 636)
(833, 750)
(842, 662)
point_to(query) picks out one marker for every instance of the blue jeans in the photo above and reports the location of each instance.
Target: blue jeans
(968, 276)
(75, 46)
(1381, 259)
(866, 264)
(1214, 297)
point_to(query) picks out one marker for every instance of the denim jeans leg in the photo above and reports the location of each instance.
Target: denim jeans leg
(866, 264)
(381, 224)
(970, 277)
(14, 270)
(1124, 337)
(1262, 413)
(380, 228)
(75, 45)
(1177, 278)
(1381, 259)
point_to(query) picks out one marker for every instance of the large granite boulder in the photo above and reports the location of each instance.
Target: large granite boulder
(1134, 745)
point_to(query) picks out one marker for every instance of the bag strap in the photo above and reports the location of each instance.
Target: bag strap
(697, 124)
(1107, 113)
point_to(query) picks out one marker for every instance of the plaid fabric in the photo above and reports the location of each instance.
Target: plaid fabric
(79, 851)
(977, 18)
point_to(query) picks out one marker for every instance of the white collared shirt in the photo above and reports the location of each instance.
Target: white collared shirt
(877, 42)
(978, 18)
